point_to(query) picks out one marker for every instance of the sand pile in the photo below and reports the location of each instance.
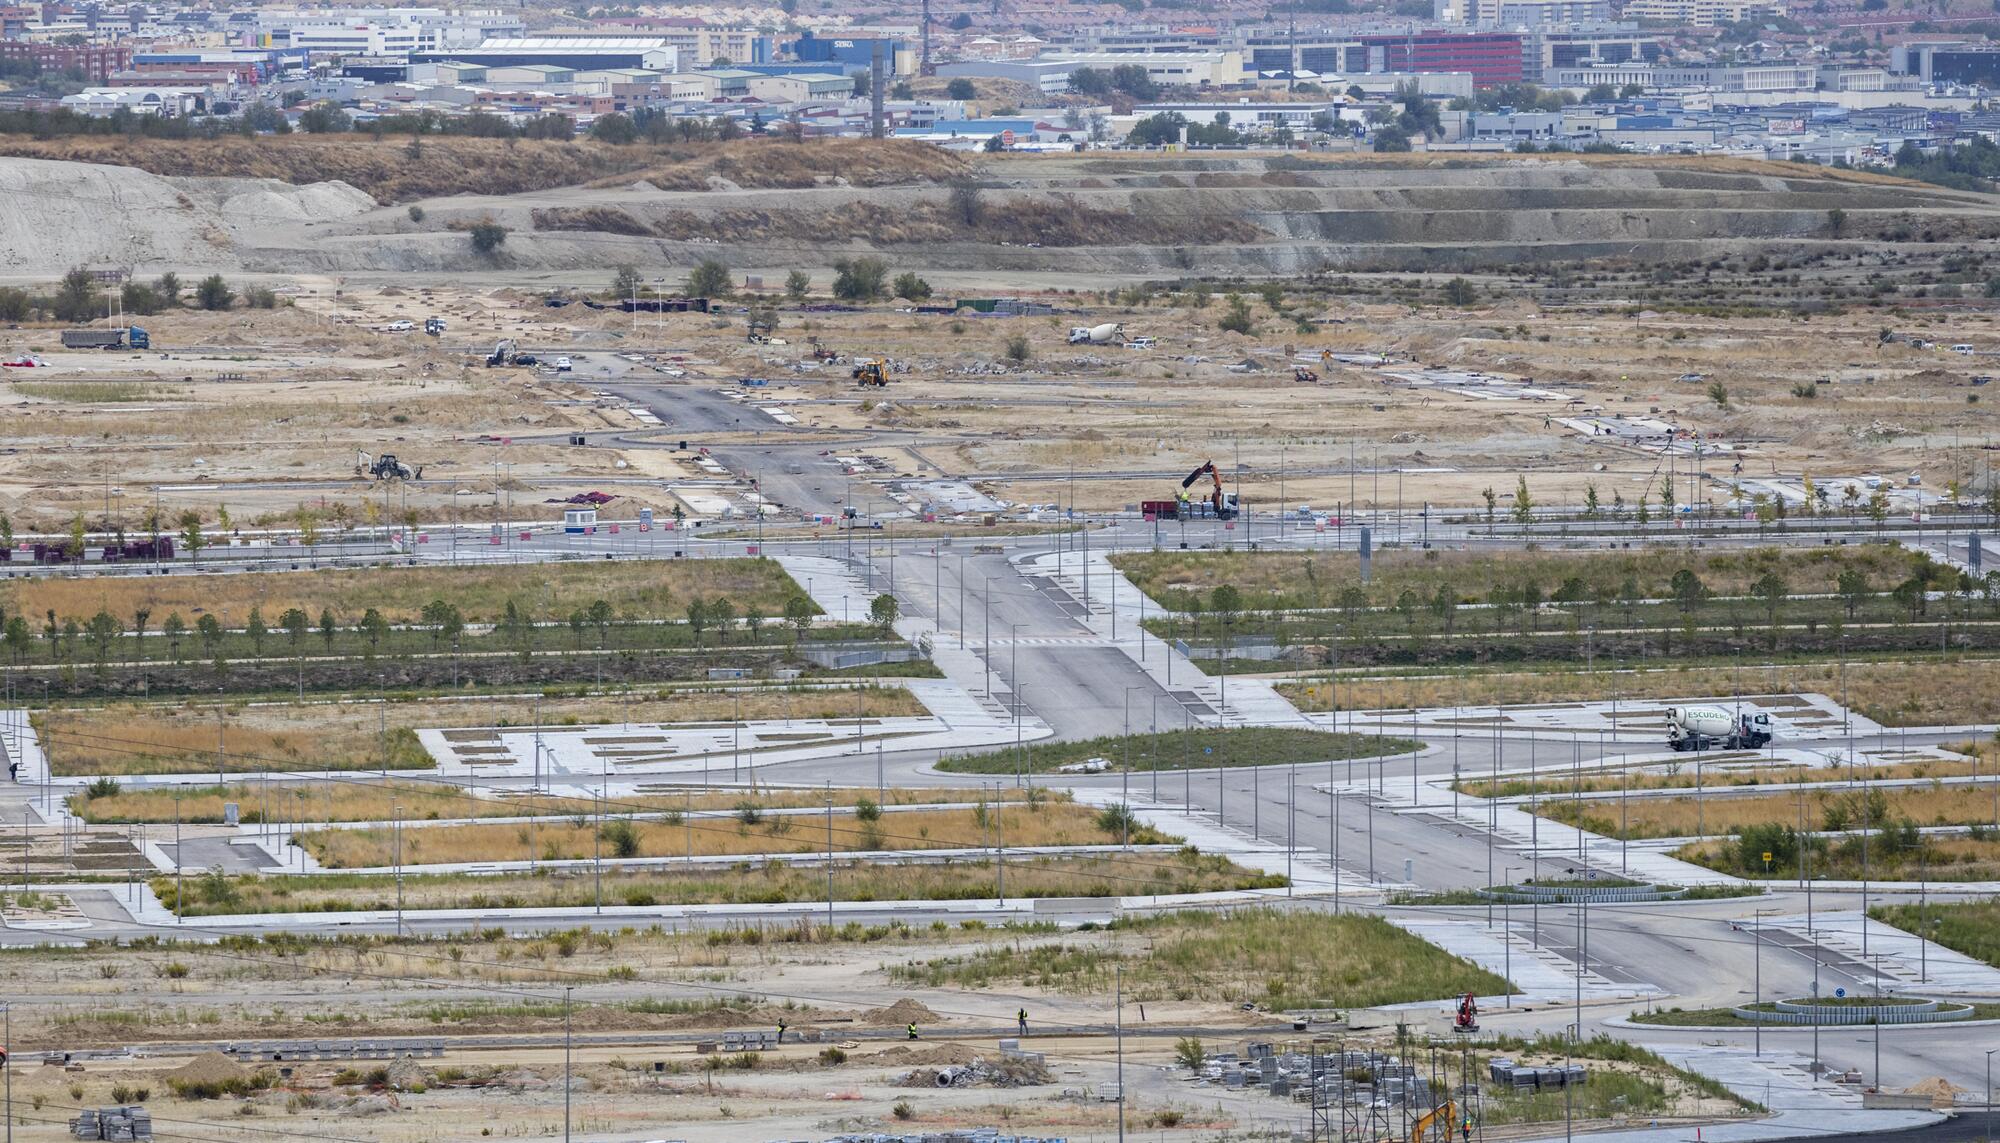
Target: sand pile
(904, 1011)
(936, 1056)
(210, 1068)
(1943, 1092)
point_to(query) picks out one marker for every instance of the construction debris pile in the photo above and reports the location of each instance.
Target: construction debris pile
(1022, 1069)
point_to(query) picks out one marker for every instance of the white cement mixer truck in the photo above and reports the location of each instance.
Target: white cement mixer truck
(1094, 334)
(1708, 727)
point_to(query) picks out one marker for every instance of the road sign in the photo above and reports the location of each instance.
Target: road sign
(1840, 992)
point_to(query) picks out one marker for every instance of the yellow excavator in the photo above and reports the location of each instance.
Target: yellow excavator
(873, 372)
(1443, 1118)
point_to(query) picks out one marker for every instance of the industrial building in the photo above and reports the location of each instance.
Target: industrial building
(578, 53)
(1951, 61)
(1702, 13)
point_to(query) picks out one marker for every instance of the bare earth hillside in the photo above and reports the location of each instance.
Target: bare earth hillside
(297, 206)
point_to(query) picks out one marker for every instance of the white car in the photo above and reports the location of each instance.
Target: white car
(1965, 349)
(402, 326)
(1142, 343)
(563, 365)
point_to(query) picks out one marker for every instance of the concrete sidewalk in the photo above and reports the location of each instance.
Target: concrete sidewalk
(1777, 1080)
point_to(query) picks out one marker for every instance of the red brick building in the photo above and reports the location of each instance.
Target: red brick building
(96, 61)
(1493, 58)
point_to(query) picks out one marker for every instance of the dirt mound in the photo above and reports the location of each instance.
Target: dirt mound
(209, 1068)
(904, 1011)
(935, 1056)
(1937, 1087)
(408, 1075)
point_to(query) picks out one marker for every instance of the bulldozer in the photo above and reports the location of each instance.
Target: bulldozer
(386, 467)
(872, 372)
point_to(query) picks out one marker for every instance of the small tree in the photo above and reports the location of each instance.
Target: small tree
(882, 612)
(325, 118)
(1770, 587)
(1524, 504)
(799, 616)
(175, 630)
(213, 293)
(1852, 585)
(191, 535)
(1018, 349)
(697, 618)
(911, 287)
(1237, 320)
(103, 630)
(966, 205)
(722, 614)
(1688, 591)
(296, 623)
(169, 289)
(254, 627)
(960, 89)
(710, 278)
(860, 279)
(488, 236)
(76, 296)
(797, 285)
(1590, 502)
(373, 628)
(626, 282)
(328, 628)
(1460, 293)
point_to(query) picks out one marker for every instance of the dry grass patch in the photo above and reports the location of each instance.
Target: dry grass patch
(184, 739)
(1919, 693)
(543, 591)
(748, 831)
(1309, 579)
(1680, 776)
(1824, 810)
(352, 800)
(771, 883)
(1279, 959)
(1899, 853)
(138, 738)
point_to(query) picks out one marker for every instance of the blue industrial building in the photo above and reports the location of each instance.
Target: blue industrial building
(852, 53)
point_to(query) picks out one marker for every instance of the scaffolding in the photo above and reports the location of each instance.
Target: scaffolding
(1366, 1095)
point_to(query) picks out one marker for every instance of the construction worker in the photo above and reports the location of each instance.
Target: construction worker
(781, 1031)
(913, 1029)
(1021, 1018)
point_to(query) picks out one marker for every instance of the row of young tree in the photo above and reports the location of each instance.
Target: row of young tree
(863, 279)
(442, 623)
(79, 297)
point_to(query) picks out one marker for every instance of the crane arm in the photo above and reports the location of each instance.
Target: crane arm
(1207, 466)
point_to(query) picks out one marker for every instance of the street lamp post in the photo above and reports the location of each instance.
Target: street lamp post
(1989, 1093)
(1507, 933)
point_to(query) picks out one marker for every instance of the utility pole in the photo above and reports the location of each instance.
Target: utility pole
(1118, 984)
(567, 1041)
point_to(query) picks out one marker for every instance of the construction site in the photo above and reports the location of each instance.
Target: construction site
(879, 643)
